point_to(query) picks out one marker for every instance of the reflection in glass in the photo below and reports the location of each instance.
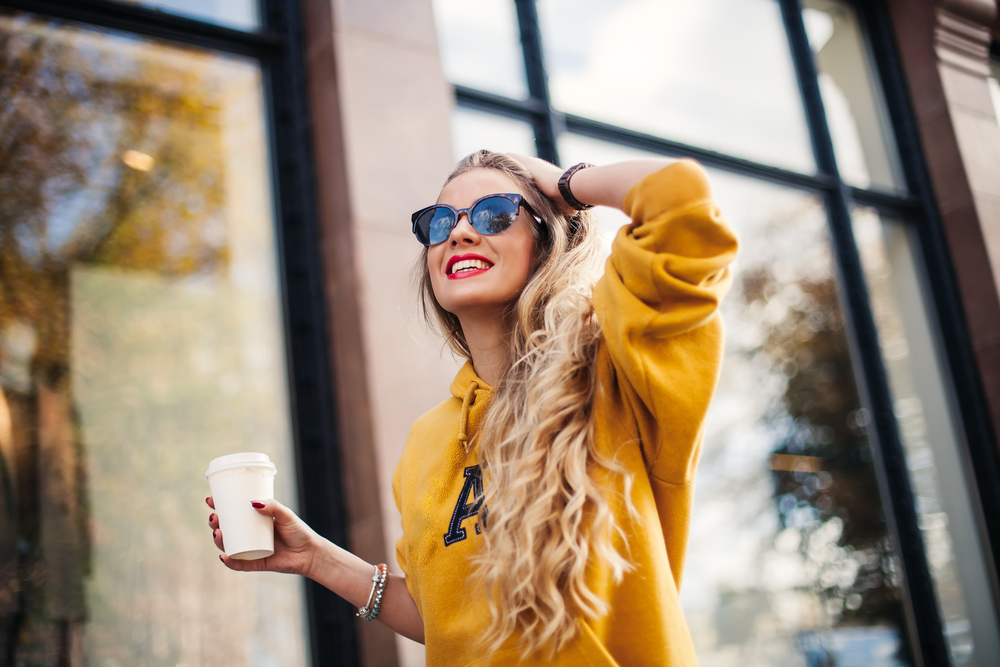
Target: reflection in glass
(140, 336)
(930, 438)
(866, 152)
(481, 46)
(473, 130)
(790, 561)
(239, 14)
(993, 81)
(713, 73)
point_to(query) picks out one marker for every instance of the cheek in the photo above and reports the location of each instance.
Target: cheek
(433, 260)
(521, 266)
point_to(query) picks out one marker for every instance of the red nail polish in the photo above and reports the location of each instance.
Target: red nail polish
(220, 558)
(257, 504)
(210, 517)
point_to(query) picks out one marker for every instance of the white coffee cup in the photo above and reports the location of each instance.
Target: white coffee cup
(236, 480)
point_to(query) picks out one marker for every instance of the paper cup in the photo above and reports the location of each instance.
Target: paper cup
(236, 480)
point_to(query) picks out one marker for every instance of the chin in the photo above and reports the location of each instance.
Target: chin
(475, 303)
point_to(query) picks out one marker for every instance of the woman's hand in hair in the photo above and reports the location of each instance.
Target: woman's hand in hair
(294, 542)
(546, 177)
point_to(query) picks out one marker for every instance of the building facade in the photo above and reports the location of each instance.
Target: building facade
(205, 248)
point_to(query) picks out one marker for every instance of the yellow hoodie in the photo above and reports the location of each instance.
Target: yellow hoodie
(658, 366)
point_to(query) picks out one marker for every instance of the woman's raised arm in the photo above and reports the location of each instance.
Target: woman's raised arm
(600, 186)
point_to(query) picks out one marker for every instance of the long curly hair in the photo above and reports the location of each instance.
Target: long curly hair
(548, 516)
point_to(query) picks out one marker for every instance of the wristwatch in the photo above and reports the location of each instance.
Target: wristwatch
(564, 190)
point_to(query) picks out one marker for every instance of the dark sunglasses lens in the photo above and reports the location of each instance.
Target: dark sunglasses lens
(493, 215)
(434, 225)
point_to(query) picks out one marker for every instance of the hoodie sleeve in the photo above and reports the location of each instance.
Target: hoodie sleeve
(658, 307)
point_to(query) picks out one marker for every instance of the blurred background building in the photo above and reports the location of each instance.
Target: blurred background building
(205, 248)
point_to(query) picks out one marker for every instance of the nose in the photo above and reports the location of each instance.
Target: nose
(463, 233)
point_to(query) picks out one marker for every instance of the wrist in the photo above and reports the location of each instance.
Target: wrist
(319, 557)
(566, 191)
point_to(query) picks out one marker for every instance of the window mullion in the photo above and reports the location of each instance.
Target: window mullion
(544, 121)
(924, 621)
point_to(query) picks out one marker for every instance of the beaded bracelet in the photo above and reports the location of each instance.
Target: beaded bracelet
(370, 611)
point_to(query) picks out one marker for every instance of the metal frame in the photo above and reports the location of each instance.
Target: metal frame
(919, 211)
(940, 280)
(925, 627)
(279, 49)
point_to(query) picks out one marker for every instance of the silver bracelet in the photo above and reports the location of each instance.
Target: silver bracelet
(370, 611)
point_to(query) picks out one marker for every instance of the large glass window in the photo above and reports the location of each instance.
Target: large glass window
(140, 336)
(834, 490)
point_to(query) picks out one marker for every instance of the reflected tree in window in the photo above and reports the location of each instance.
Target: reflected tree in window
(825, 490)
(103, 160)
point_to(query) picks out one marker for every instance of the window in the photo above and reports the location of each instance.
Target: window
(154, 217)
(835, 518)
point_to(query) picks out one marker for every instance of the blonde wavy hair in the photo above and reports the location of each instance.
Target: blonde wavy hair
(548, 516)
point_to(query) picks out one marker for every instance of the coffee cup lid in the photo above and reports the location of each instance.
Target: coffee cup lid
(239, 460)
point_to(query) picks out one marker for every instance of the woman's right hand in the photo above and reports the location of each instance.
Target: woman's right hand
(295, 543)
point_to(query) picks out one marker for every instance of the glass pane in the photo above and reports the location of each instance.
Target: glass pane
(714, 73)
(140, 336)
(481, 45)
(930, 437)
(473, 130)
(862, 140)
(790, 561)
(239, 14)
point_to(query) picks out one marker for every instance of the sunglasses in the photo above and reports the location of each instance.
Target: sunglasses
(488, 215)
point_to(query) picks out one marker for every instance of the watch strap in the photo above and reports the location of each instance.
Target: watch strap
(566, 193)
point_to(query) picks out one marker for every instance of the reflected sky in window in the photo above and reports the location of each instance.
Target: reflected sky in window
(481, 46)
(238, 14)
(473, 130)
(714, 73)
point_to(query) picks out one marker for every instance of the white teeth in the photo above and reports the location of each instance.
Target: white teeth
(469, 265)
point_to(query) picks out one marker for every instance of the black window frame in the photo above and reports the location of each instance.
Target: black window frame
(278, 47)
(918, 210)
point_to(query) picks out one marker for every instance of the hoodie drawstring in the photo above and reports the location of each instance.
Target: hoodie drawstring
(463, 426)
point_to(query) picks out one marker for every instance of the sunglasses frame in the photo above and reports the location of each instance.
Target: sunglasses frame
(517, 199)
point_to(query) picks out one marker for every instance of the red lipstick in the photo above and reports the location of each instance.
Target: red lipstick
(466, 273)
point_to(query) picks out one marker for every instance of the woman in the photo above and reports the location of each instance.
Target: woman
(545, 504)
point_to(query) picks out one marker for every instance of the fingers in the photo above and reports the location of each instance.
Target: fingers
(272, 508)
(213, 523)
(528, 161)
(210, 502)
(259, 565)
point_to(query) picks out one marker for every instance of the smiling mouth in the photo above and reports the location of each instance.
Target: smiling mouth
(468, 266)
